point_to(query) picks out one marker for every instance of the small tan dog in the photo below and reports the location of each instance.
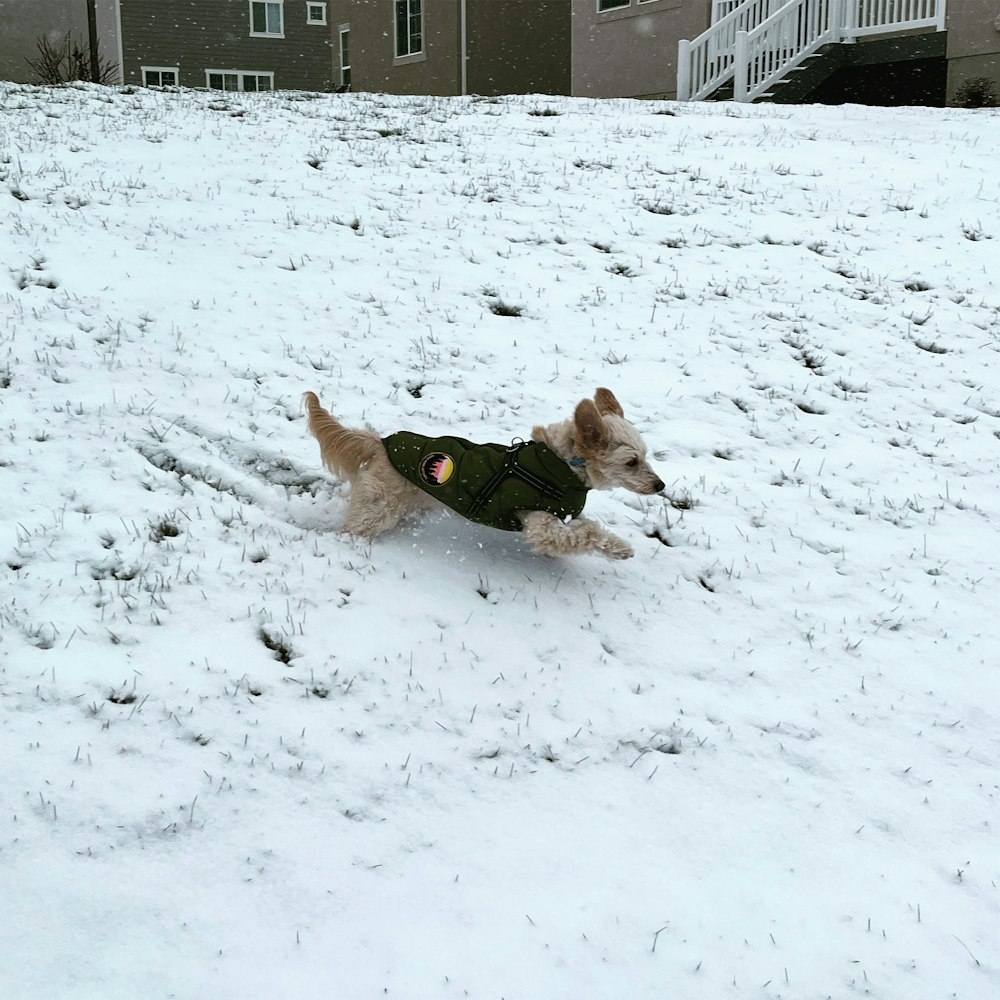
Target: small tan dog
(537, 487)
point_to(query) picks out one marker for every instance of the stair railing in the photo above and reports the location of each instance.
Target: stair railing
(757, 42)
(781, 42)
(705, 64)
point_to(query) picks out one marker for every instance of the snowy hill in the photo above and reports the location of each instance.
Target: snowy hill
(250, 757)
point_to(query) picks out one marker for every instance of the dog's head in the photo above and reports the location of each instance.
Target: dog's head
(613, 449)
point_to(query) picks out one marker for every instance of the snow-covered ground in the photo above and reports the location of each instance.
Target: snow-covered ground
(246, 756)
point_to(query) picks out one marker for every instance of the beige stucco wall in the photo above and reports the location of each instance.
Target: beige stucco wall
(973, 42)
(632, 52)
(435, 71)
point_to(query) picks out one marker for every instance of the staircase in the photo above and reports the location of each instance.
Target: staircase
(755, 46)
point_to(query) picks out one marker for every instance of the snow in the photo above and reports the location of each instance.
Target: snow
(248, 756)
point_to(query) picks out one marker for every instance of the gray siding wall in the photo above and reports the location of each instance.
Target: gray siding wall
(196, 35)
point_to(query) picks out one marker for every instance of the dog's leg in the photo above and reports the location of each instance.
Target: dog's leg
(380, 496)
(370, 510)
(545, 533)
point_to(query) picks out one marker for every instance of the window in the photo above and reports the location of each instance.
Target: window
(238, 79)
(223, 81)
(409, 28)
(256, 81)
(603, 5)
(267, 19)
(345, 58)
(159, 76)
(315, 13)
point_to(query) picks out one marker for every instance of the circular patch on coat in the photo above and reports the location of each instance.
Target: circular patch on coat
(436, 468)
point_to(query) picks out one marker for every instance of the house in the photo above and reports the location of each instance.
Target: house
(220, 44)
(227, 44)
(874, 51)
(491, 47)
(448, 47)
(866, 51)
(825, 51)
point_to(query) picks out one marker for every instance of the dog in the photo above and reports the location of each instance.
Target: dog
(537, 487)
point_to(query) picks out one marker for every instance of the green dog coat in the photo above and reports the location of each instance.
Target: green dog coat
(488, 483)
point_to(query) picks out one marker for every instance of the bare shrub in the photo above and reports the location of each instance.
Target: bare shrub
(67, 62)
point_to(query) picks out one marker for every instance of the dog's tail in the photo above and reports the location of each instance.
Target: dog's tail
(343, 450)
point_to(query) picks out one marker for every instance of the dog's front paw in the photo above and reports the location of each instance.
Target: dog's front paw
(615, 548)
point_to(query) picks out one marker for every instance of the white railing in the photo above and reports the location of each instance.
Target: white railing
(706, 64)
(720, 8)
(874, 17)
(757, 42)
(779, 44)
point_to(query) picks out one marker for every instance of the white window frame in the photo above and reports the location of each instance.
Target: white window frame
(310, 4)
(615, 5)
(344, 29)
(408, 54)
(280, 4)
(240, 74)
(160, 69)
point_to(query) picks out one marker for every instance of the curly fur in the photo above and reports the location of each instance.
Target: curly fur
(613, 451)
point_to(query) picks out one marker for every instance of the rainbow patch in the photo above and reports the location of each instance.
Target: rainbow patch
(436, 468)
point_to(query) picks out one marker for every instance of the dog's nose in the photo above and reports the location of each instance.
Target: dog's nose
(659, 486)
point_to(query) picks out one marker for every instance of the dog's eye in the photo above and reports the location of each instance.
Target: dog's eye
(632, 463)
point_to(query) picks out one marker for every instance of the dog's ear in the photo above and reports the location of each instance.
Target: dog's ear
(606, 403)
(591, 433)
